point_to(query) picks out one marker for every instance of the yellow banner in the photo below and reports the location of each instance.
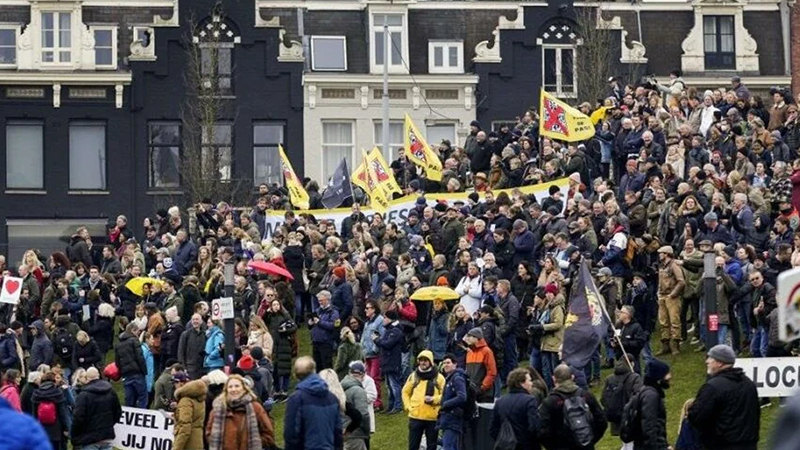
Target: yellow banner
(563, 122)
(384, 175)
(297, 193)
(419, 152)
(380, 201)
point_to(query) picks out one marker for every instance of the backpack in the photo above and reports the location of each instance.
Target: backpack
(578, 420)
(615, 396)
(506, 439)
(630, 425)
(63, 345)
(630, 252)
(46, 412)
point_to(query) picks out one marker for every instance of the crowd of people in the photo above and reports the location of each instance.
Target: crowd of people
(671, 175)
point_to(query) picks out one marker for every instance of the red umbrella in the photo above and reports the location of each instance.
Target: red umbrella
(270, 269)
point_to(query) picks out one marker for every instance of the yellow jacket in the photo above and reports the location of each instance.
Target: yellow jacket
(414, 393)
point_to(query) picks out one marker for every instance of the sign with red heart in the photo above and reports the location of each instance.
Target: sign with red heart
(12, 287)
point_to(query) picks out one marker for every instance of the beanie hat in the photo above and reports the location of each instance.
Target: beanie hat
(421, 200)
(257, 353)
(554, 189)
(416, 240)
(357, 367)
(180, 377)
(474, 197)
(339, 272)
(246, 362)
(390, 282)
(723, 354)
(476, 332)
(442, 281)
(551, 288)
(656, 370)
(391, 315)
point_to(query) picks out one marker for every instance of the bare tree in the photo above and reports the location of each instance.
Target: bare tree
(207, 160)
(593, 61)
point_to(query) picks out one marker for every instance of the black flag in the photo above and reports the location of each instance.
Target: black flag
(339, 188)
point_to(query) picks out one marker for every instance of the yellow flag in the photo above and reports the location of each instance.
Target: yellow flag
(599, 114)
(380, 202)
(384, 175)
(419, 152)
(563, 122)
(297, 193)
(359, 176)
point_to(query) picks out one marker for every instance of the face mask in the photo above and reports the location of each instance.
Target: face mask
(664, 384)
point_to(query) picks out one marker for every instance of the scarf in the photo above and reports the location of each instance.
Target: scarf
(429, 376)
(220, 412)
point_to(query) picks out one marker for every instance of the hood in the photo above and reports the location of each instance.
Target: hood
(75, 239)
(48, 391)
(97, 387)
(734, 374)
(195, 389)
(313, 385)
(558, 300)
(621, 367)
(125, 336)
(39, 325)
(568, 387)
(350, 381)
(765, 223)
(427, 354)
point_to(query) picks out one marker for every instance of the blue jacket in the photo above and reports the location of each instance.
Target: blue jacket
(454, 396)
(151, 369)
(367, 345)
(437, 335)
(184, 254)
(312, 420)
(613, 260)
(523, 247)
(391, 346)
(19, 431)
(342, 298)
(214, 339)
(521, 410)
(733, 268)
(41, 349)
(324, 332)
(8, 352)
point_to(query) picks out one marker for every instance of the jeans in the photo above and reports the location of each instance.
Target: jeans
(759, 343)
(299, 311)
(592, 370)
(281, 382)
(549, 363)
(395, 384)
(451, 440)
(418, 428)
(647, 353)
(743, 310)
(135, 391)
(106, 446)
(722, 334)
(405, 364)
(536, 359)
(510, 359)
(374, 371)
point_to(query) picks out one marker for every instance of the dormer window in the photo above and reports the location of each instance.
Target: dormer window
(56, 37)
(398, 42)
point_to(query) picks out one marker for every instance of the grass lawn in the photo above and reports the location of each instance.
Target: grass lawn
(688, 374)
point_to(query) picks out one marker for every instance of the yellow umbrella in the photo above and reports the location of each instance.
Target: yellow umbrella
(136, 285)
(431, 293)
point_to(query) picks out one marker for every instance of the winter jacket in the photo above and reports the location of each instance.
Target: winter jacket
(553, 430)
(524, 244)
(170, 341)
(371, 326)
(653, 416)
(455, 341)
(324, 332)
(482, 370)
(49, 392)
(129, 357)
(283, 330)
(190, 416)
(102, 332)
(348, 352)
(437, 334)
(236, 432)
(41, 349)
(470, 290)
(185, 254)
(191, 346)
(553, 324)
(521, 410)
(342, 298)
(356, 396)
(214, 359)
(726, 411)
(312, 419)
(10, 392)
(150, 363)
(20, 431)
(633, 338)
(85, 356)
(78, 251)
(511, 311)
(390, 345)
(8, 352)
(263, 339)
(163, 390)
(96, 411)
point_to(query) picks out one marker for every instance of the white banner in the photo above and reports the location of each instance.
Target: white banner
(788, 300)
(144, 429)
(774, 377)
(399, 208)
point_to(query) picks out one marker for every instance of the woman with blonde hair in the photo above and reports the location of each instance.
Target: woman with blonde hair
(237, 420)
(31, 261)
(259, 336)
(206, 263)
(459, 324)
(351, 416)
(86, 352)
(349, 351)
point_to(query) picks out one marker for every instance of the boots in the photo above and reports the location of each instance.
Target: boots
(664, 347)
(675, 347)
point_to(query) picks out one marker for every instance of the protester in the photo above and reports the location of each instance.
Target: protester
(190, 412)
(312, 412)
(571, 418)
(455, 408)
(356, 396)
(480, 365)
(96, 412)
(238, 420)
(520, 409)
(652, 411)
(130, 361)
(422, 398)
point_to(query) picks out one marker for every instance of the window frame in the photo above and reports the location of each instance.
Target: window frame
(114, 60)
(446, 45)
(57, 49)
(378, 27)
(217, 147)
(342, 39)
(90, 123)
(257, 145)
(395, 146)
(559, 91)
(27, 123)
(219, 46)
(713, 60)
(452, 125)
(16, 29)
(352, 144)
(151, 146)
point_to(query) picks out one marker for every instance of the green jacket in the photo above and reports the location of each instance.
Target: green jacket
(554, 330)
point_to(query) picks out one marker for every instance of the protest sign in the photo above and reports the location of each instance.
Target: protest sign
(12, 287)
(399, 208)
(773, 377)
(788, 300)
(144, 429)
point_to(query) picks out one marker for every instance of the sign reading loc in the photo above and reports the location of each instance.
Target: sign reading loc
(773, 377)
(222, 308)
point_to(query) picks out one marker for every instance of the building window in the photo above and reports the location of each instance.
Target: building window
(395, 138)
(87, 156)
(329, 53)
(164, 142)
(105, 48)
(497, 124)
(8, 46)
(445, 57)
(435, 134)
(718, 42)
(338, 142)
(25, 155)
(266, 161)
(217, 150)
(558, 71)
(398, 42)
(216, 69)
(56, 37)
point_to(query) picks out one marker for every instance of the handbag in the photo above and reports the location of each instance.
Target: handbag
(506, 439)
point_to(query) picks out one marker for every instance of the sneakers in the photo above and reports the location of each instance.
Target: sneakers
(690, 330)
(694, 341)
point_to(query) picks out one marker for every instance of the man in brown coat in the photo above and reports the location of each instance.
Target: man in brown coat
(670, 289)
